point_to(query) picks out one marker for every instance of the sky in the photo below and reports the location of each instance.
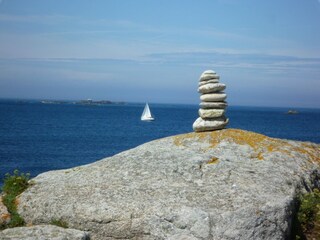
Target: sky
(266, 52)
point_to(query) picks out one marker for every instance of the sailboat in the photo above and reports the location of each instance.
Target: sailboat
(146, 114)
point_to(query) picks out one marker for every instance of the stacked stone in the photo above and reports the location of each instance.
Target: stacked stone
(213, 105)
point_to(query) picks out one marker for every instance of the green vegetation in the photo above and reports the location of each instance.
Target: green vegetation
(307, 224)
(13, 186)
(59, 223)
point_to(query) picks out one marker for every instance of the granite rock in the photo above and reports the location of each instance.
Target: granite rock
(211, 88)
(208, 81)
(201, 125)
(5, 216)
(208, 74)
(213, 105)
(213, 97)
(43, 232)
(209, 77)
(211, 113)
(225, 184)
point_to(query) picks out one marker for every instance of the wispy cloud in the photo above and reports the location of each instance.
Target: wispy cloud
(231, 59)
(123, 39)
(39, 19)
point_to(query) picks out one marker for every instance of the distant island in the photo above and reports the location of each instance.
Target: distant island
(81, 102)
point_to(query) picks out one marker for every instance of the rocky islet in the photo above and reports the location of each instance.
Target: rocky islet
(213, 105)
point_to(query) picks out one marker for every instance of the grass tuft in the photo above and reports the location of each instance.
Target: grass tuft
(307, 224)
(14, 185)
(59, 223)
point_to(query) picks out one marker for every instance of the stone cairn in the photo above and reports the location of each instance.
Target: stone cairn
(213, 106)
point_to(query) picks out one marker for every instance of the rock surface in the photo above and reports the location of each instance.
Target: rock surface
(202, 125)
(211, 113)
(43, 232)
(213, 105)
(208, 81)
(226, 184)
(208, 74)
(211, 87)
(5, 216)
(213, 97)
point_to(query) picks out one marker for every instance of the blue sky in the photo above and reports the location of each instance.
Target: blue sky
(267, 52)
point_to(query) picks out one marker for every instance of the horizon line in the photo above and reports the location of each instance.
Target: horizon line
(150, 102)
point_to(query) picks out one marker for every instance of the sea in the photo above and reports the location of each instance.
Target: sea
(37, 136)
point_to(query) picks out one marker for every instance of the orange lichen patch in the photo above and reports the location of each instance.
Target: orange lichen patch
(215, 137)
(236, 135)
(213, 160)
(311, 150)
(17, 201)
(5, 217)
(261, 144)
(260, 156)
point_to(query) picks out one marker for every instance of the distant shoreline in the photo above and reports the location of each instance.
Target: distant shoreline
(78, 102)
(107, 102)
(81, 102)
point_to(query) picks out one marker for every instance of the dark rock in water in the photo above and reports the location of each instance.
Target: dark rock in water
(292, 112)
(225, 184)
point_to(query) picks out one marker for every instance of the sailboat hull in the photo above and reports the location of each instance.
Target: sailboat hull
(147, 119)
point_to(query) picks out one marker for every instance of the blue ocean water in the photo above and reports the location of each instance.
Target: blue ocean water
(38, 137)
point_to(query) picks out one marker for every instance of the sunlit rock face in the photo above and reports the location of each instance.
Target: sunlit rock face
(223, 184)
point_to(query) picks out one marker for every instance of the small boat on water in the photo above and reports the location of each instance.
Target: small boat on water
(146, 114)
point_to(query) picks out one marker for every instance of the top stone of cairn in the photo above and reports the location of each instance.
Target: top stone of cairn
(208, 75)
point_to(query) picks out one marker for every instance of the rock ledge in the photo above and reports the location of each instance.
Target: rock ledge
(226, 184)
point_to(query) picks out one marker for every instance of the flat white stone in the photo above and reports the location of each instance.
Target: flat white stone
(208, 81)
(211, 113)
(201, 125)
(212, 88)
(208, 72)
(208, 77)
(213, 105)
(213, 97)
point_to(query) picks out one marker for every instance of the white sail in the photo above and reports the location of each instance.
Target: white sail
(146, 114)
